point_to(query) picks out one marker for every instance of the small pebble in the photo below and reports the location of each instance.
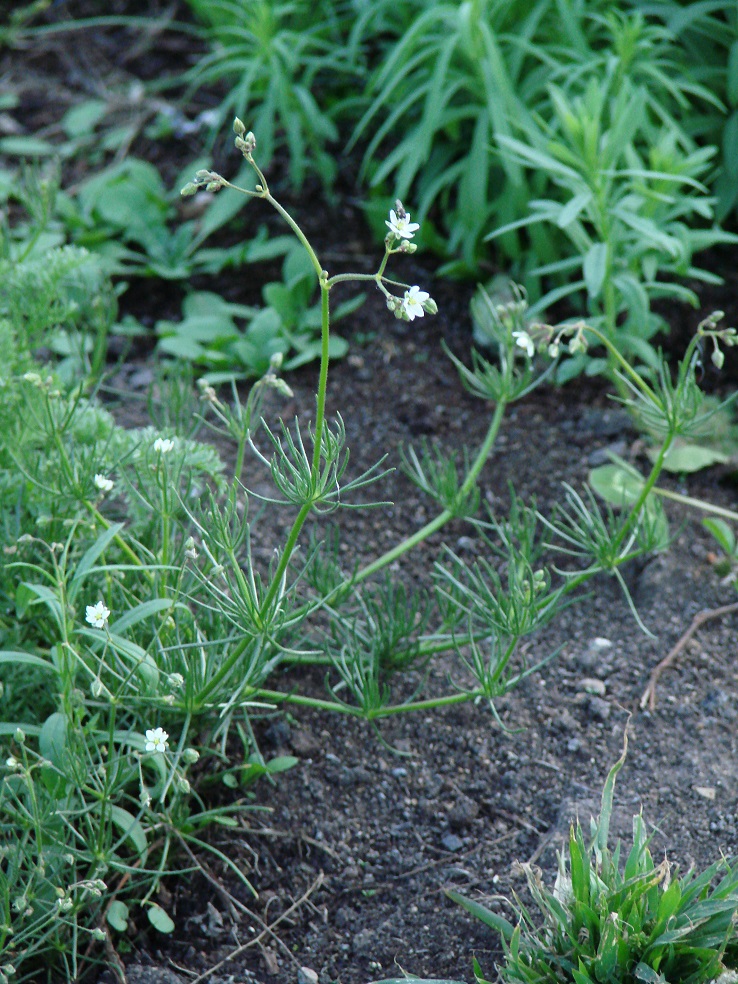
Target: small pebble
(591, 685)
(598, 708)
(452, 843)
(306, 975)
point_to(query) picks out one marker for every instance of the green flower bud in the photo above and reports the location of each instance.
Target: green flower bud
(238, 128)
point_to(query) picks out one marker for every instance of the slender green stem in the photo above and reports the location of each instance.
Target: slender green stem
(325, 337)
(128, 551)
(444, 516)
(225, 669)
(280, 697)
(625, 365)
(699, 504)
(645, 491)
(298, 232)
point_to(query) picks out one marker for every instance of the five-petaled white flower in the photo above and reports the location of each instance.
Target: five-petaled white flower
(103, 483)
(524, 341)
(163, 445)
(98, 615)
(400, 225)
(156, 740)
(412, 303)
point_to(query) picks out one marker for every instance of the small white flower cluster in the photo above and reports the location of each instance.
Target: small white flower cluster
(416, 302)
(103, 483)
(399, 223)
(157, 740)
(163, 445)
(97, 615)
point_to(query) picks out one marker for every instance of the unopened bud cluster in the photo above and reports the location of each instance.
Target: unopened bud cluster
(245, 142)
(203, 180)
(727, 336)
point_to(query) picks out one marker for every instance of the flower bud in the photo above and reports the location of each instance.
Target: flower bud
(430, 306)
(718, 358)
(553, 350)
(190, 756)
(189, 189)
(19, 736)
(98, 934)
(238, 128)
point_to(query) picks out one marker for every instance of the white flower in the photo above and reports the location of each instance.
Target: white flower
(400, 225)
(524, 341)
(98, 615)
(163, 445)
(412, 303)
(103, 483)
(156, 740)
(12, 763)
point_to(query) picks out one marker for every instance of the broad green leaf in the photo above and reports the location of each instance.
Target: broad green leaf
(687, 458)
(117, 915)
(594, 268)
(80, 120)
(732, 75)
(648, 975)
(615, 485)
(143, 663)
(32, 594)
(181, 348)
(481, 912)
(573, 208)
(205, 329)
(52, 741)
(337, 348)
(26, 147)
(26, 659)
(607, 951)
(130, 829)
(281, 764)
(159, 919)
(347, 307)
(89, 557)
(142, 611)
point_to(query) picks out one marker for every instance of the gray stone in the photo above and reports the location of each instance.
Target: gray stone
(452, 843)
(598, 708)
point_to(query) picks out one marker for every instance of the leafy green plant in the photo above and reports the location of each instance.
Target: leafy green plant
(707, 34)
(141, 634)
(628, 216)
(275, 57)
(288, 326)
(460, 78)
(125, 215)
(52, 293)
(605, 921)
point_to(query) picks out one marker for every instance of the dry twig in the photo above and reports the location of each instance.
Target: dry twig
(649, 694)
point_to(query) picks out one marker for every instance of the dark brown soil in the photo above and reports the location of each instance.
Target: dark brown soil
(374, 824)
